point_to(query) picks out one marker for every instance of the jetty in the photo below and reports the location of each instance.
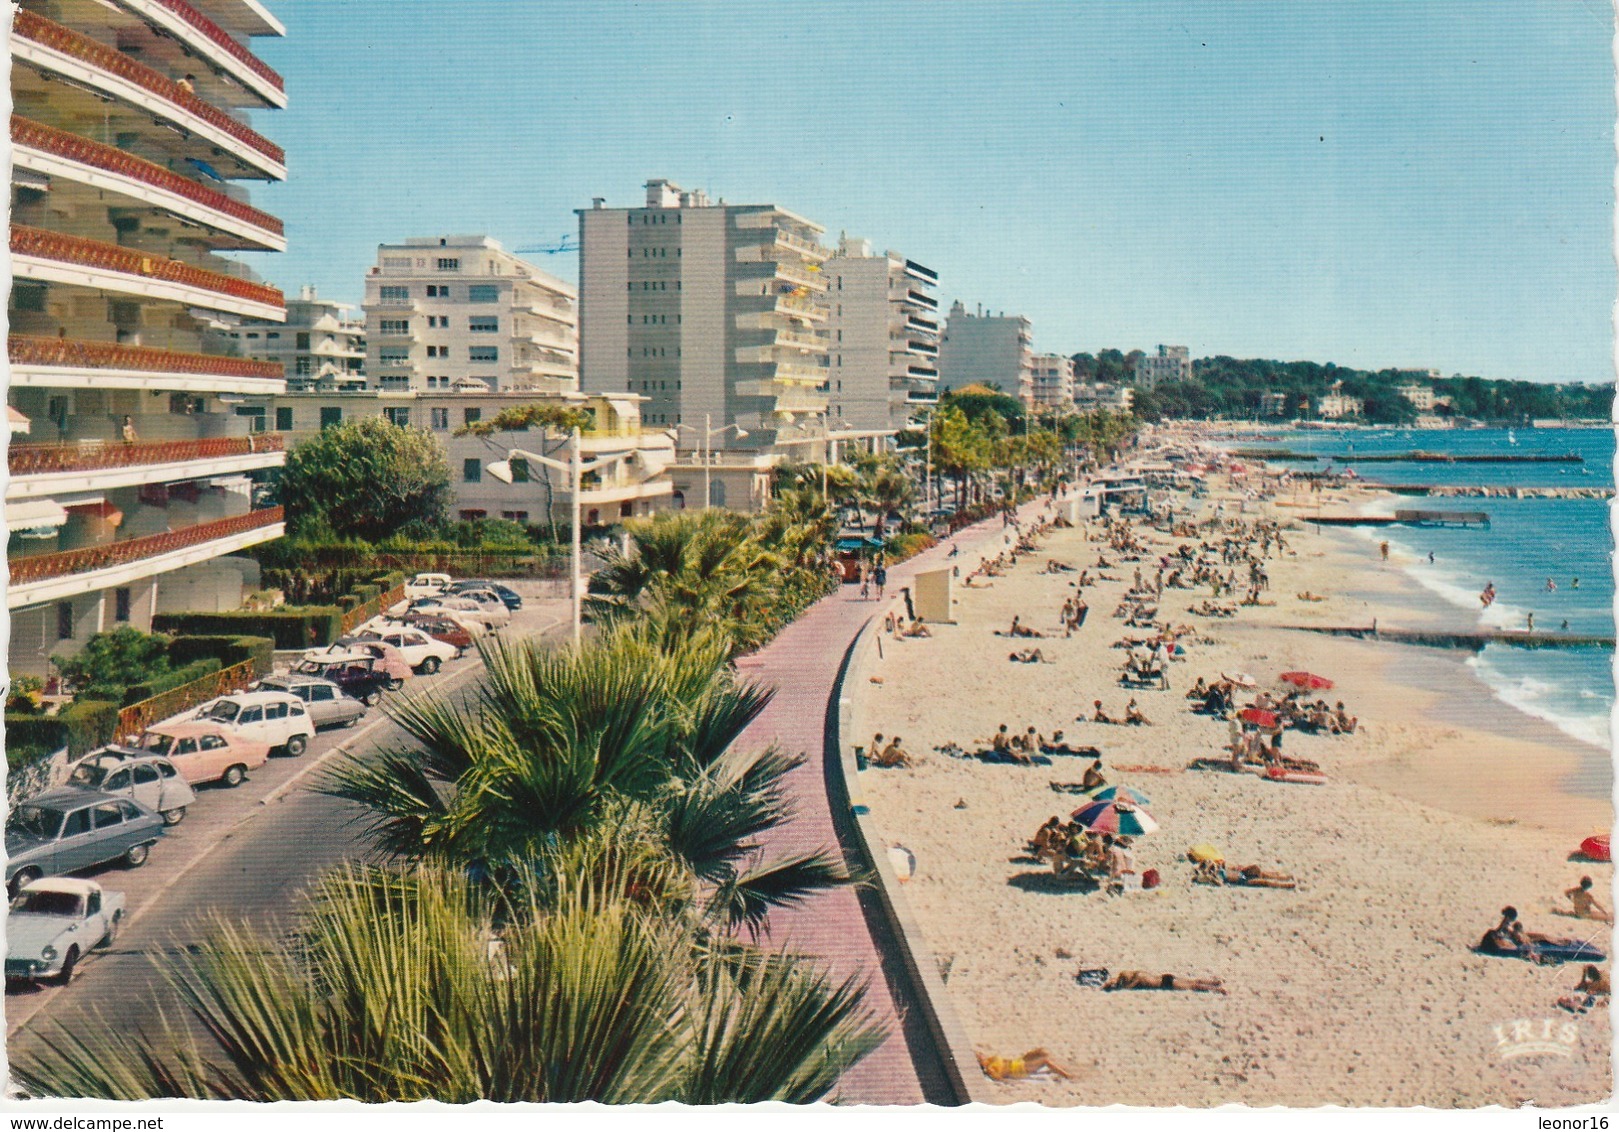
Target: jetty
(1470, 641)
(1410, 457)
(1404, 518)
(1456, 491)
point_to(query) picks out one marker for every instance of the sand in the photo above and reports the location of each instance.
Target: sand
(1359, 987)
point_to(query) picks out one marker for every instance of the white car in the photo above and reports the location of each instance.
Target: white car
(427, 585)
(148, 779)
(423, 653)
(490, 602)
(278, 719)
(465, 610)
(54, 922)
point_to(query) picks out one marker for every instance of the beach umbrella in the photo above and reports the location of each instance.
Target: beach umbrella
(1113, 793)
(1259, 717)
(1116, 817)
(1306, 680)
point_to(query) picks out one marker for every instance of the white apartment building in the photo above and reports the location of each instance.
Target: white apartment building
(130, 474)
(987, 349)
(1092, 396)
(1053, 381)
(444, 310)
(715, 313)
(629, 489)
(320, 346)
(1422, 396)
(1337, 405)
(883, 352)
(1169, 363)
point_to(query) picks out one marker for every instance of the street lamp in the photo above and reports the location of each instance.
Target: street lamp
(576, 468)
(709, 433)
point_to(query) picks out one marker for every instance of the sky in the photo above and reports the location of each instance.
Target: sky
(1373, 184)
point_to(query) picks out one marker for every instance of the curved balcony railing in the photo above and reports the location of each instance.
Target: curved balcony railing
(47, 33)
(221, 37)
(73, 147)
(110, 257)
(45, 459)
(85, 560)
(27, 351)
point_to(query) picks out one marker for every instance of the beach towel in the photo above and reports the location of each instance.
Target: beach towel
(1091, 977)
(999, 757)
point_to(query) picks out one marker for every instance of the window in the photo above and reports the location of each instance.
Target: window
(395, 326)
(116, 782)
(321, 692)
(107, 815)
(393, 294)
(438, 291)
(394, 356)
(484, 325)
(396, 263)
(302, 342)
(78, 822)
(120, 605)
(483, 293)
(436, 351)
(283, 419)
(449, 265)
(251, 715)
(331, 418)
(303, 367)
(396, 383)
(440, 418)
(470, 416)
(212, 743)
(515, 516)
(519, 468)
(398, 415)
(64, 620)
(255, 417)
(472, 515)
(268, 334)
(471, 471)
(484, 354)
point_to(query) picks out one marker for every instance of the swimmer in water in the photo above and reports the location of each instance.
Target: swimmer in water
(1551, 586)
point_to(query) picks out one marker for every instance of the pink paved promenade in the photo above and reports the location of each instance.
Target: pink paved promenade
(840, 927)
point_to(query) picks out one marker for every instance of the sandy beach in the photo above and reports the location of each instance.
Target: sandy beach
(1358, 987)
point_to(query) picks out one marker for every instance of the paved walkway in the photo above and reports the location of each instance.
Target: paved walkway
(843, 927)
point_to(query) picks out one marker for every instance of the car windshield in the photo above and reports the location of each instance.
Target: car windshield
(48, 903)
(224, 711)
(157, 742)
(34, 821)
(88, 774)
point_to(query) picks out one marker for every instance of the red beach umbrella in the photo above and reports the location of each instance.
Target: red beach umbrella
(1308, 680)
(1259, 717)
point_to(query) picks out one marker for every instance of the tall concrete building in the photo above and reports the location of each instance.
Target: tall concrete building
(987, 349)
(1170, 363)
(320, 346)
(130, 480)
(884, 336)
(443, 311)
(715, 312)
(1053, 381)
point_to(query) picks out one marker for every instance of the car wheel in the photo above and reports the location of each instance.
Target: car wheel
(135, 856)
(174, 816)
(24, 878)
(430, 666)
(234, 775)
(372, 698)
(297, 745)
(113, 929)
(69, 961)
(395, 683)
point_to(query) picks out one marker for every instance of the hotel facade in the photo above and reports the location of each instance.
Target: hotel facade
(883, 337)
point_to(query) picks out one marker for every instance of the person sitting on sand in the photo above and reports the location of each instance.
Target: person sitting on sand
(1585, 903)
(1015, 1068)
(1140, 980)
(1047, 840)
(893, 755)
(1133, 716)
(1593, 981)
(1100, 716)
(1342, 722)
(1093, 779)
(1073, 849)
(1200, 690)
(1020, 630)
(1121, 860)
(1001, 743)
(1025, 743)
(914, 629)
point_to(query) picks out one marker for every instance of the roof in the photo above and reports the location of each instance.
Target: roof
(70, 797)
(186, 727)
(63, 884)
(250, 699)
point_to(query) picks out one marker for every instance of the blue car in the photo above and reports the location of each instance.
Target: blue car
(68, 829)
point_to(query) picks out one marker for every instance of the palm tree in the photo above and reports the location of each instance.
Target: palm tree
(414, 984)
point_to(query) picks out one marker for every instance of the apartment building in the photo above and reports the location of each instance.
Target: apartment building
(1052, 376)
(629, 489)
(1422, 396)
(1090, 397)
(1167, 363)
(987, 349)
(883, 330)
(321, 345)
(130, 474)
(715, 312)
(444, 310)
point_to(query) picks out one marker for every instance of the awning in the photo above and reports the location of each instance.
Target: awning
(17, 421)
(34, 514)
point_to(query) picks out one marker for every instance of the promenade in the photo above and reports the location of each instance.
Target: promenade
(845, 928)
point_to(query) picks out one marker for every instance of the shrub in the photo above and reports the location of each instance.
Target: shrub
(26, 695)
(226, 650)
(901, 547)
(157, 685)
(80, 726)
(110, 662)
(290, 628)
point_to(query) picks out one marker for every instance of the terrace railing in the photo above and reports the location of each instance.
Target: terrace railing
(138, 716)
(77, 250)
(24, 350)
(366, 610)
(47, 33)
(74, 147)
(45, 459)
(221, 37)
(85, 560)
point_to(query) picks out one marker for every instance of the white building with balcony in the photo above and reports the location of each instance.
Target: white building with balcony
(1090, 397)
(132, 485)
(1167, 364)
(883, 336)
(444, 310)
(321, 345)
(987, 349)
(1052, 376)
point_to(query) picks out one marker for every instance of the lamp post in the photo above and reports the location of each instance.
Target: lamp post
(575, 467)
(709, 433)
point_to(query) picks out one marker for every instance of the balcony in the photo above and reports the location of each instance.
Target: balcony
(802, 374)
(50, 577)
(207, 39)
(43, 470)
(57, 153)
(56, 258)
(64, 363)
(925, 275)
(786, 398)
(917, 299)
(55, 48)
(923, 349)
(925, 326)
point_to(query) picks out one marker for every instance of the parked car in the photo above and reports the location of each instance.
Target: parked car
(451, 632)
(205, 751)
(489, 601)
(471, 618)
(427, 585)
(323, 700)
(465, 610)
(265, 716)
(511, 597)
(151, 780)
(54, 922)
(354, 672)
(389, 662)
(422, 652)
(67, 829)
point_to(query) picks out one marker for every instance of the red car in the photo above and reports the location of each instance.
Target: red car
(440, 629)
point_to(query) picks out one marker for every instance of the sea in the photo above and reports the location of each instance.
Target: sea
(1531, 546)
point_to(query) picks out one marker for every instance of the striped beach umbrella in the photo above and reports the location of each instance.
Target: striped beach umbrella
(1116, 817)
(1110, 793)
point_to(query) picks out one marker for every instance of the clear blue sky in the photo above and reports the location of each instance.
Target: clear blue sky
(1399, 183)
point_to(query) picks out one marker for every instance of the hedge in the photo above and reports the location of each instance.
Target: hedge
(290, 628)
(157, 685)
(226, 650)
(80, 727)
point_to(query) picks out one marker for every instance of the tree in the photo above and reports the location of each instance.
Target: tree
(111, 662)
(366, 478)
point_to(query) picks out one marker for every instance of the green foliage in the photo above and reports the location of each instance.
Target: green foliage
(168, 681)
(366, 478)
(25, 695)
(110, 662)
(227, 650)
(520, 418)
(289, 628)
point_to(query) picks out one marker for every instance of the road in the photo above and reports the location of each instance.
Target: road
(244, 854)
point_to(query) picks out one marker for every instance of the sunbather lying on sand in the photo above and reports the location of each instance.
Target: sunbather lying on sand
(1060, 746)
(1308, 596)
(1014, 1068)
(1027, 656)
(1018, 629)
(1140, 980)
(1251, 876)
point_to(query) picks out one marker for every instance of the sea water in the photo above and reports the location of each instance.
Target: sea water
(1528, 542)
